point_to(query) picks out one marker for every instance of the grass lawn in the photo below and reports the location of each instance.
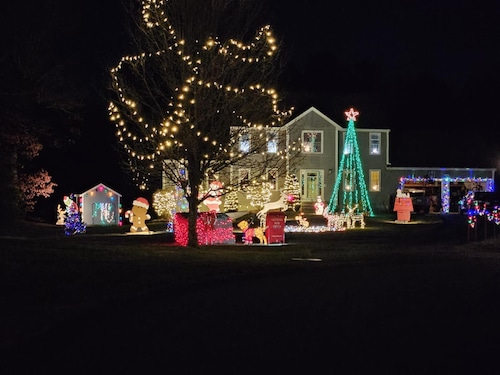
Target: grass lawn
(49, 280)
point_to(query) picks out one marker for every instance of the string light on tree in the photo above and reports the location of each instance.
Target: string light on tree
(169, 132)
(180, 104)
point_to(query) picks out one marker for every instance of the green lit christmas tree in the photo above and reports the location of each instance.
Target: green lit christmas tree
(354, 195)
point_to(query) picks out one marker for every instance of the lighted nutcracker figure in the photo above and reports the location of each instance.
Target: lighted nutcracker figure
(403, 205)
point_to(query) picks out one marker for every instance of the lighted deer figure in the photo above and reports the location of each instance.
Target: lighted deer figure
(354, 217)
(281, 204)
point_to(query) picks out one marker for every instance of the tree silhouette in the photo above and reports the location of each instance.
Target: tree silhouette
(41, 98)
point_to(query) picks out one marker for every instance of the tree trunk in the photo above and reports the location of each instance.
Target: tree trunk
(193, 217)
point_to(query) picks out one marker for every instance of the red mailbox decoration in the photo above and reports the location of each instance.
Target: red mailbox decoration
(403, 205)
(275, 227)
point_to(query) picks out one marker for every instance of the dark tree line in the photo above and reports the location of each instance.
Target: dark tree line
(51, 67)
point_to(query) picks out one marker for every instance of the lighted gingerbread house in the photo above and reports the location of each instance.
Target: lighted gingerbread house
(100, 205)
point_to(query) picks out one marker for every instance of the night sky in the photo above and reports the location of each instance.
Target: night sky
(427, 70)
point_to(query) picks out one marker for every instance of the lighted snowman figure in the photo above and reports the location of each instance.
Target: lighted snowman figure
(213, 200)
(319, 206)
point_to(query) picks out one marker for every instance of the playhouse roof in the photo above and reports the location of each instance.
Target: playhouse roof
(100, 186)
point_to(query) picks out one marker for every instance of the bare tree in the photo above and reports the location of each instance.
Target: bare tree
(198, 83)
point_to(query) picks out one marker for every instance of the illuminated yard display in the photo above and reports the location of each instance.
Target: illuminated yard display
(475, 210)
(353, 192)
(101, 205)
(138, 215)
(403, 205)
(167, 203)
(213, 201)
(487, 184)
(231, 202)
(212, 228)
(292, 189)
(186, 97)
(73, 224)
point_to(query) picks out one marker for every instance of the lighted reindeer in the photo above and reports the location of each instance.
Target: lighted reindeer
(335, 221)
(354, 217)
(281, 204)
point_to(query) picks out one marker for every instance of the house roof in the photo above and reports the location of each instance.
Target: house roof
(317, 112)
(329, 120)
(98, 187)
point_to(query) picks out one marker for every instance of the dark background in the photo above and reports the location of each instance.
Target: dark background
(427, 70)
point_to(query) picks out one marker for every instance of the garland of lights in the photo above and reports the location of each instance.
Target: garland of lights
(350, 171)
(166, 133)
(445, 185)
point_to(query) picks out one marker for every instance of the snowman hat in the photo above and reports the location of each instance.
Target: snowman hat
(141, 202)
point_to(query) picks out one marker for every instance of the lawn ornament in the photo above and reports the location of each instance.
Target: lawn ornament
(403, 205)
(335, 221)
(250, 233)
(61, 215)
(213, 201)
(353, 218)
(281, 204)
(319, 206)
(138, 216)
(302, 221)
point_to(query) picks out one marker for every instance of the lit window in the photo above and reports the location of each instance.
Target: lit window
(312, 141)
(272, 142)
(374, 179)
(374, 143)
(245, 142)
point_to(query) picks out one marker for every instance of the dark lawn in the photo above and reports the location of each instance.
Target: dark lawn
(419, 298)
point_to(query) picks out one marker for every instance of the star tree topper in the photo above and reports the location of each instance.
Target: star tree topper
(351, 114)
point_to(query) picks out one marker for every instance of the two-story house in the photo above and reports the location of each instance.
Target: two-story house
(432, 189)
(317, 170)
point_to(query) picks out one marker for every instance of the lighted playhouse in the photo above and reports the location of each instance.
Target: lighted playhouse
(100, 205)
